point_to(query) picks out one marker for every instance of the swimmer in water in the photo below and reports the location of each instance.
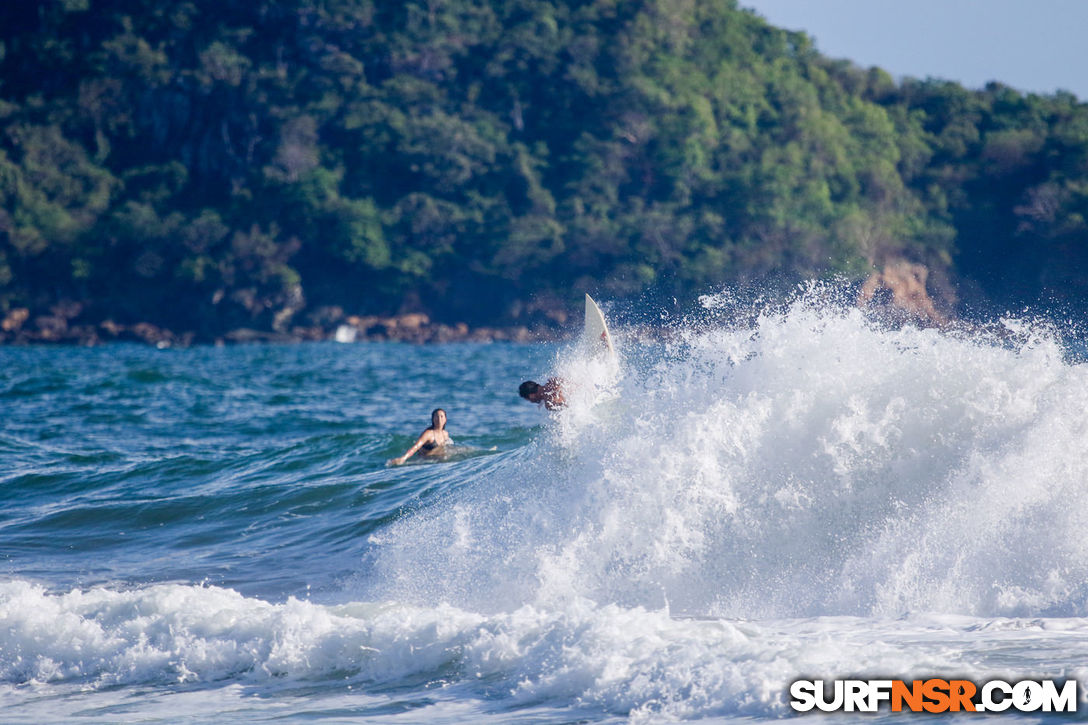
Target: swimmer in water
(431, 441)
(550, 393)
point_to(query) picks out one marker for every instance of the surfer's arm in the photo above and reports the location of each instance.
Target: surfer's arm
(553, 394)
(423, 438)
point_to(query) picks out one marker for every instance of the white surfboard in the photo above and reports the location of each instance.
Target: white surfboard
(596, 329)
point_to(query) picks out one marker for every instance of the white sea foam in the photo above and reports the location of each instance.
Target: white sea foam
(811, 463)
(611, 659)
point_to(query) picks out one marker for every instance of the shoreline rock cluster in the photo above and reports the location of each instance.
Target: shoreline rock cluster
(63, 326)
(899, 292)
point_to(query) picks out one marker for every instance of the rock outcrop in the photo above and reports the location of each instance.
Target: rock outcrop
(899, 290)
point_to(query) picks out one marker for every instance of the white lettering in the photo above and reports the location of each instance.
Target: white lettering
(803, 693)
(836, 700)
(855, 696)
(988, 702)
(879, 691)
(1064, 701)
(1027, 696)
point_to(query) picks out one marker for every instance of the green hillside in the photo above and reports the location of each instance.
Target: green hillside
(242, 163)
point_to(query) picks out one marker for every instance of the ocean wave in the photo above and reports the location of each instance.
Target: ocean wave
(611, 659)
(808, 463)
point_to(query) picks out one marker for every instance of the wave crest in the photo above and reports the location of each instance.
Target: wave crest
(805, 462)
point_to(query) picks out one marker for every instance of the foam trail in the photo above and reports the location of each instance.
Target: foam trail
(631, 662)
(809, 463)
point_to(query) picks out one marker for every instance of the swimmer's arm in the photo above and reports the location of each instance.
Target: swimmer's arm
(423, 438)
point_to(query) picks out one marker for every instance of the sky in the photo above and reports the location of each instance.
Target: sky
(1037, 46)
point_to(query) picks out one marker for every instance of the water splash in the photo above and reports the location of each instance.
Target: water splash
(603, 661)
(805, 461)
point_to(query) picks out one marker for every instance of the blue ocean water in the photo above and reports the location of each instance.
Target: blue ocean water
(213, 534)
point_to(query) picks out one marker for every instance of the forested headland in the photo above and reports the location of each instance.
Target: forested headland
(273, 165)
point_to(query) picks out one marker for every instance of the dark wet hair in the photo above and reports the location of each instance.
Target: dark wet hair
(434, 415)
(528, 388)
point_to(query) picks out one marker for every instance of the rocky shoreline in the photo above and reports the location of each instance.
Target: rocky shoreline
(63, 326)
(898, 293)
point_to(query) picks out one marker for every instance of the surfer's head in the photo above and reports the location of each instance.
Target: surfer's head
(530, 390)
(438, 419)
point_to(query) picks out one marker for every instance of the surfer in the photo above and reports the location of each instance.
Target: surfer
(550, 393)
(430, 441)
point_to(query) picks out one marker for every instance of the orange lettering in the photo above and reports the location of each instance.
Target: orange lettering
(961, 693)
(935, 691)
(912, 695)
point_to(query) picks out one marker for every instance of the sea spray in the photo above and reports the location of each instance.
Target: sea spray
(810, 463)
(601, 659)
(612, 659)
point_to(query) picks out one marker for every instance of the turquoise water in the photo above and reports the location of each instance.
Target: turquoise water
(255, 468)
(213, 535)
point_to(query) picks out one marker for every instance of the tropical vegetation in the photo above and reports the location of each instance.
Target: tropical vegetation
(206, 165)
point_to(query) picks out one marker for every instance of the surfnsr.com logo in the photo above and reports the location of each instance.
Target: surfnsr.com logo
(934, 695)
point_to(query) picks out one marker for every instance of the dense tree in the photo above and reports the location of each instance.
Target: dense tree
(206, 165)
